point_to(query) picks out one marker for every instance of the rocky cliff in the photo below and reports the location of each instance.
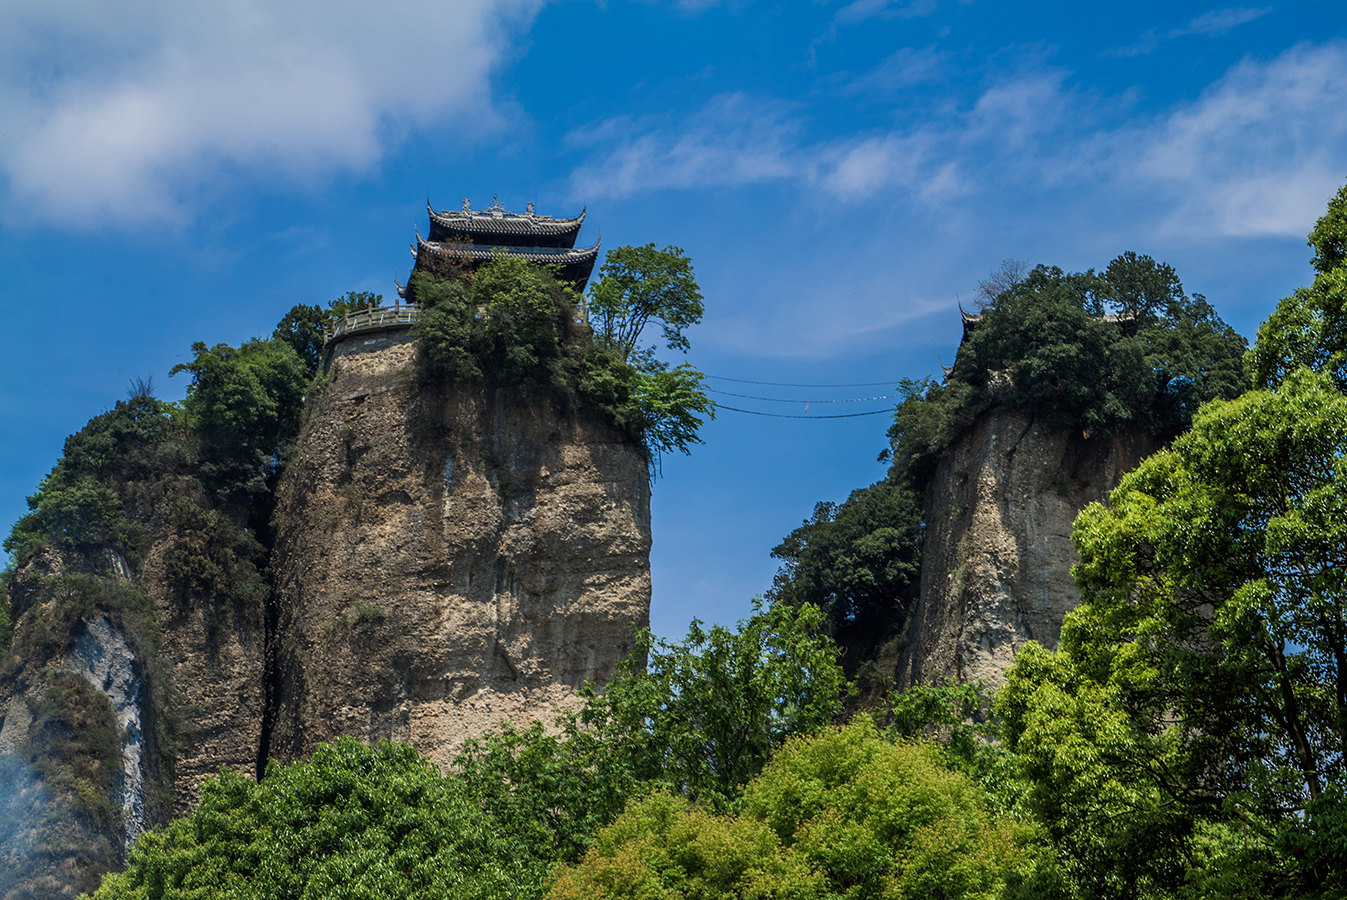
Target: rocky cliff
(996, 568)
(448, 559)
(123, 695)
(441, 559)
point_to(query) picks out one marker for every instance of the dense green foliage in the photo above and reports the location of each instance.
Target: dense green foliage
(640, 285)
(79, 504)
(706, 714)
(506, 322)
(699, 720)
(665, 847)
(514, 325)
(859, 561)
(1195, 713)
(1187, 738)
(350, 822)
(844, 813)
(1309, 328)
(185, 487)
(244, 404)
(1086, 351)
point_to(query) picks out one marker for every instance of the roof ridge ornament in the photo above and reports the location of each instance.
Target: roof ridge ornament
(496, 209)
(529, 210)
(467, 206)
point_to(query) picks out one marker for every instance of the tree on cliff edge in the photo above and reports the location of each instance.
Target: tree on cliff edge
(1189, 737)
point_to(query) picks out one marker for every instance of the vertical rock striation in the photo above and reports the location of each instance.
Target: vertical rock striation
(996, 571)
(447, 558)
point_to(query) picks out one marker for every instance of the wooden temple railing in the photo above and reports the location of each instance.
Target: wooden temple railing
(377, 319)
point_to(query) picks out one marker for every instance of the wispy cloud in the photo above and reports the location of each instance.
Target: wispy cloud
(126, 113)
(900, 71)
(1255, 154)
(863, 10)
(739, 140)
(1216, 22)
(1220, 21)
(734, 140)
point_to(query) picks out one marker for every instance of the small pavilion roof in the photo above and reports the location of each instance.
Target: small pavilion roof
(481, 226)
(576, 264)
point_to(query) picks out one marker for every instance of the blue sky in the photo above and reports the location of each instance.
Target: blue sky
(841, 174)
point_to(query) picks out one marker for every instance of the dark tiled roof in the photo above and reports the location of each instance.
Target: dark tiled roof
(495, 220)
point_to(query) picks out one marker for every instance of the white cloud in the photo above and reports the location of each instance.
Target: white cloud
(1219, 21)
(861, 10)
(1257, 153)
(733, 141)
(903, 69)
(737, 140)
(1215, 22)
(124, 113)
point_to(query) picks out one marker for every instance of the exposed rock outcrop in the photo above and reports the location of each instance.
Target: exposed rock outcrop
(996, 571)
(447, 559)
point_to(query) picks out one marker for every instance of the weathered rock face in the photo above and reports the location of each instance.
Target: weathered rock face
(214, 653)
(996, 571)
(174, 689)
(446, 560)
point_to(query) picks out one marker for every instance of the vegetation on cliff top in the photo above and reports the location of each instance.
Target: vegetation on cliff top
(512, 324)
(1084, 352)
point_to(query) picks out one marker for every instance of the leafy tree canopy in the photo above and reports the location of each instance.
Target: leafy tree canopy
(351, 822)
(1309, 328)
(641, 285)
(698, 721)
(859, 561)
(245, 404)
(1199, 690)
(1094, 349)
(514, 323)
(842, 813)
(78, 502)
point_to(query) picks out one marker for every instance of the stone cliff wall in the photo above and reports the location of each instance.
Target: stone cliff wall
(996, 571)
(447, 559)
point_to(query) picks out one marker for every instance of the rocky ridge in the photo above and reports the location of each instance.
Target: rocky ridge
(447, 560)
(996, 570)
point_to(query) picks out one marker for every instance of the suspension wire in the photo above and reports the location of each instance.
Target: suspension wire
(754, 412)
(791, 384)
(790, 400)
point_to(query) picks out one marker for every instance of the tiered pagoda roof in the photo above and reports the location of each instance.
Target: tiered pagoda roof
(474, 237)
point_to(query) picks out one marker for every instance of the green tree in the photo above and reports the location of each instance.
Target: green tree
(506, 321)
(858, 561)
(706, 714)
(80, 502)
(844, 813)
(698, 720)
(350, 823)
(1202, 684)
(302, 328)
(1309, 328)
(665, 847)
(245, 404)
(1094, 350)
(640, 285)
(355, 301)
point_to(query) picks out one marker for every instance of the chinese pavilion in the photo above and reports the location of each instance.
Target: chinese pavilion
(470, 237)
